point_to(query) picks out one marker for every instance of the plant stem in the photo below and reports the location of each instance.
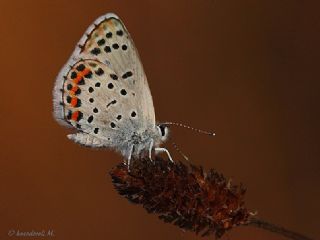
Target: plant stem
(277, 229)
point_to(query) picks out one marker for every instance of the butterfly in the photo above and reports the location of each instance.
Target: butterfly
(103, 92)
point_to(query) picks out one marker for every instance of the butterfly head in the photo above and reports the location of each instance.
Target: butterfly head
(163, 131)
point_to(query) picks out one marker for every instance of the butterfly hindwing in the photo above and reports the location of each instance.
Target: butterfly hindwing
(98, 103)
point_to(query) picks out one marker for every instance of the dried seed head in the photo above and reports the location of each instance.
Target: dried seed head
(205, 203)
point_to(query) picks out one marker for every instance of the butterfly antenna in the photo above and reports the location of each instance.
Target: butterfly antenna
(191, 128)
(179, 151)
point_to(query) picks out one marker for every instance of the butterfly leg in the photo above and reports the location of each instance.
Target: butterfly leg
(166, 151)
(150, 150)
(129, 157)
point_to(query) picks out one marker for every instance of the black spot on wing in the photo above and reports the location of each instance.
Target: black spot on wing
(109, 35)
(73, 75)
(107, 49)
(90, 119)
(120, 33)
(115, 45)
(123, 92)
(127, 74)
(69, 115)
(114, 76)
(96, 51)
(111, 103)
(80, 67)
(99, 72)
(110, 85)
(88, 75)
(133, 114)
(101, 42)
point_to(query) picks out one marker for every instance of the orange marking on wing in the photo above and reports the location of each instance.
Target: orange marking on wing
(75, 116)
(77, 79)
(85, 71)
(74, 101)
(110, 24)
(80, 75)
(73, 90)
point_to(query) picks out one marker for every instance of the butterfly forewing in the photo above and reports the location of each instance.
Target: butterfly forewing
(110, 43)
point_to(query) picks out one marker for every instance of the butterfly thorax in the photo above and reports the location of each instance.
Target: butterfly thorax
(138, 142)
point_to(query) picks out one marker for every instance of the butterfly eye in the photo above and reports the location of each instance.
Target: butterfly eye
(162, 130)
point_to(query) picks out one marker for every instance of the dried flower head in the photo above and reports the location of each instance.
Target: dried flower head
(205, 203)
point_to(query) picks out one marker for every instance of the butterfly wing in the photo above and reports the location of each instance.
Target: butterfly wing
(99, 105)
(108, 46)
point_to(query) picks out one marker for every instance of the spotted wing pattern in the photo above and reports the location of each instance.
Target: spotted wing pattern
(103, 89)
(97, 102)
(110, 43)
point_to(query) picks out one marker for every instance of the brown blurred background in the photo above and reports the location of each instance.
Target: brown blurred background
(249, 70)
